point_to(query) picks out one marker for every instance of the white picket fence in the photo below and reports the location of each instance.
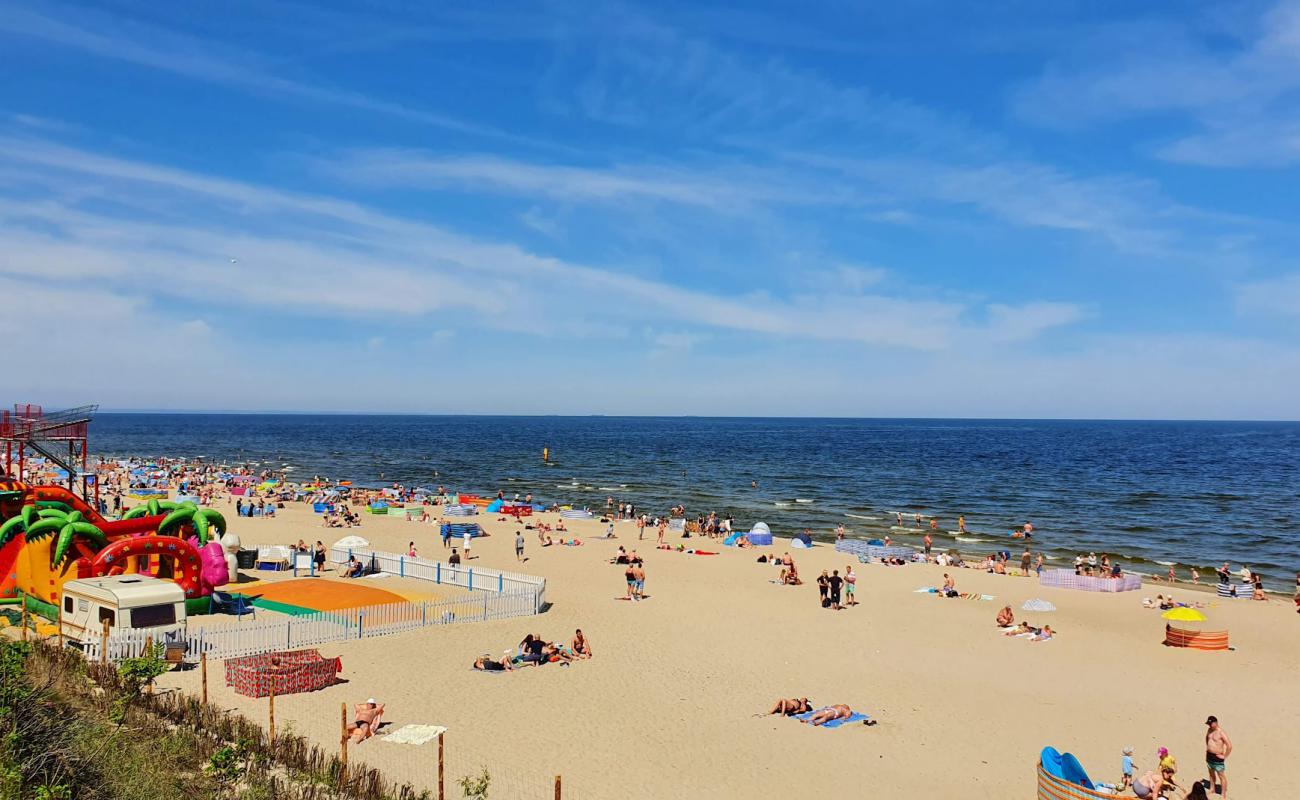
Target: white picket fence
(312, 630)
(493, 595)
(440, 572)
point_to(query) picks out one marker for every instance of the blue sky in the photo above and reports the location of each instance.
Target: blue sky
(1017, 209)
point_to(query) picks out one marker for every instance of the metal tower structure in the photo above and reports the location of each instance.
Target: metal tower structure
(60, 436)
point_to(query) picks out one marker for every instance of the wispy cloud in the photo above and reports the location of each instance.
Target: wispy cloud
(1279, 295)
(166, 51)
(707, 187)
(1237, 91)
(422, 267)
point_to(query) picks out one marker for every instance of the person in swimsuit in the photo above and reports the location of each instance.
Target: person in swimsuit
(825, 715)
(1006, 617)
(580, 646)
(790, 707)
(485, 664)
(1217, 749)
(365, 721)
(823, 585)
(630, 575)
(1150, 786)
(638, 574)
(850, 584)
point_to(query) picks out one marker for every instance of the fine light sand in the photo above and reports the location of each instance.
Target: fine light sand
(665, 709)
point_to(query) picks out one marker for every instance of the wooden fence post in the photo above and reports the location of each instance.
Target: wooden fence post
(557, 787)
(203, 672)
(343, 743)
(58, 622)
(148, 653)
(103, 643)
(271, 711)
(441, 750)
(24, 619)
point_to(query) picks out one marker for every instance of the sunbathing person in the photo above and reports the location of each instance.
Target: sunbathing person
(580, 646)
(485, 663)
(354, 568)
(829, 713)
(1022, 629)
(791, 707)
(1006, 617)
(555, 653)
(366, 721)
(1043, 635)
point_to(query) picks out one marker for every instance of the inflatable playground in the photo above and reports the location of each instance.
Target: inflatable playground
(49, 535)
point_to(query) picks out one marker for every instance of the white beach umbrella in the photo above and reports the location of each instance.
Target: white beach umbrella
(351, 541)
(1037, 605)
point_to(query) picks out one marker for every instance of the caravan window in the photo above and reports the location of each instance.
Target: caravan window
(67, 604)
(107, 614)
(153, 616)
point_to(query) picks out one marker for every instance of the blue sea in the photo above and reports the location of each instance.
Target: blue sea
(1150, 493)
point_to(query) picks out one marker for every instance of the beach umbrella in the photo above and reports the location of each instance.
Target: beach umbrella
(1037, 605)
(1184, 614)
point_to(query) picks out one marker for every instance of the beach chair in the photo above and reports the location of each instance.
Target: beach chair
(227, 603)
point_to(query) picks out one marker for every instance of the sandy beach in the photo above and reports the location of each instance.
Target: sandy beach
(667, 706)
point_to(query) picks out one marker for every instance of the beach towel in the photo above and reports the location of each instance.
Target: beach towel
(835, 723)
(414, 734)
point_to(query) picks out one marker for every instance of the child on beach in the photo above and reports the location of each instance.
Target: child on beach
(1126, 766)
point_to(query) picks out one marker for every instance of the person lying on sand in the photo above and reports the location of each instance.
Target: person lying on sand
(790, 707)
(1043, 635)
(366, 721)
(486, 664)
(1006, 617)
(1022, 629)
(825, 715)
(555, 653)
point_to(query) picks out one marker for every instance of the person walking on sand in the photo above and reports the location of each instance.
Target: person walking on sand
(1025, 558)
(640, 527)
(663, 527)
(638, 573)
(519, 545)
(629, 575)
(1217, 749)
(928, 544)
(465, 540)
(1038, 566)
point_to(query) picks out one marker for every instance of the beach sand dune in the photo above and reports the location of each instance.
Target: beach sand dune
(665, 709)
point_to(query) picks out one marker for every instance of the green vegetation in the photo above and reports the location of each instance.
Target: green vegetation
(69, 729)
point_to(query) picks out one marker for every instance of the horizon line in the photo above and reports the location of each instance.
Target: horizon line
(337, 413)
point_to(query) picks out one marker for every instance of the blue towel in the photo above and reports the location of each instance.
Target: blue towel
(835, 723)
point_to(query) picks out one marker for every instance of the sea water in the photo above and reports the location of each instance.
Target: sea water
(1149, 493)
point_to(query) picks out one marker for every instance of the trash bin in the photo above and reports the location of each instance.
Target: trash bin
(246, 559)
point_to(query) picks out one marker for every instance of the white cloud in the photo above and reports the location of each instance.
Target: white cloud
(719, 190)
(412, 268)
(1276, 296)
(163, 50)
(1238, 92)
(1027, 322)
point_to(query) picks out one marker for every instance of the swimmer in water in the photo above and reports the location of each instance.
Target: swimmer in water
(753, 484)
(961, 524)
(900, 518)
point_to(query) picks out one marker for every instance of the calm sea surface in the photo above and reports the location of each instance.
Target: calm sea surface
(1153, 493)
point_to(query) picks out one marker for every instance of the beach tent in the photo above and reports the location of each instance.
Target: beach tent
(802, 541)
(760, 535)
(494, 507)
